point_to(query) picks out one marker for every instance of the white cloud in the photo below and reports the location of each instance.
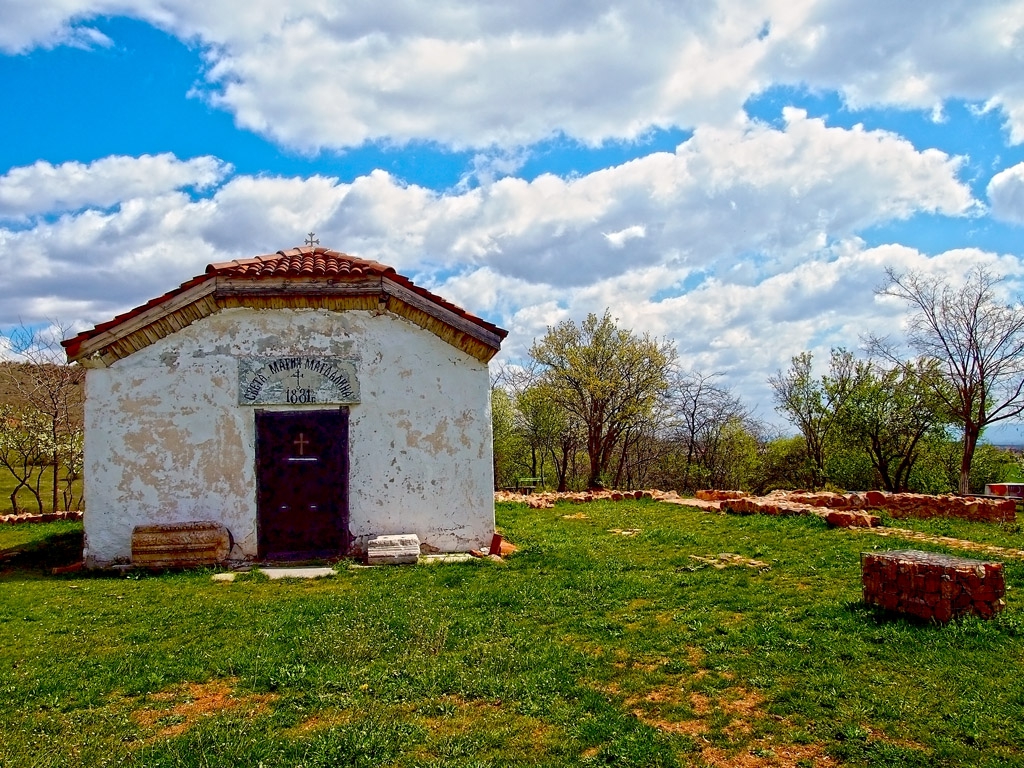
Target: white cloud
(45, 188)
(754, 195)
(912, 54)
(741, 245)
(619, 239)
(29, 23)
(1006, 194)
(739, 203)
(467, 74)
(745, 331)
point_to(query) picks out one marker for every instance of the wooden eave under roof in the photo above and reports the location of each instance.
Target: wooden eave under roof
(300, 278)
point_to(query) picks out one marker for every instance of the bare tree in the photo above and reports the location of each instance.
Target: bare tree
(42, 383)
(23, 449)
(978, 343)
(702, 410)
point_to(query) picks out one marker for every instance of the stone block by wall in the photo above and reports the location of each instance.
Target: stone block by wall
(931, 586)
(845, 519)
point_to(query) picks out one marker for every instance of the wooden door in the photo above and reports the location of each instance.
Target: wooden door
(302, 474)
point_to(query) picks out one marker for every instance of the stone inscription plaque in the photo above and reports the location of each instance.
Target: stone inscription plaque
(296, 381)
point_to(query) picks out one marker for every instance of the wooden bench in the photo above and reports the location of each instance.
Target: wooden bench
(528, 484)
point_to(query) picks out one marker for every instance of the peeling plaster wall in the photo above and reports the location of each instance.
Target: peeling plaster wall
(166, 440)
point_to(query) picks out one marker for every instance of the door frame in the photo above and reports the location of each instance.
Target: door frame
(343, 503)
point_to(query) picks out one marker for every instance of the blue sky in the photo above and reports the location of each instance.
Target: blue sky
(733, 176)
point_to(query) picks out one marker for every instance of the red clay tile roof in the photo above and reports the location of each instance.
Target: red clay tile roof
(297, 263)
(301, 262)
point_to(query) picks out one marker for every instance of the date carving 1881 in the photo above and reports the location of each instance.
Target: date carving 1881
(296, 381)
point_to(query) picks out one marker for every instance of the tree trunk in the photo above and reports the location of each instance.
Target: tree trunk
(971, 435)
(14, 499)
(56, 466)
(563, 469)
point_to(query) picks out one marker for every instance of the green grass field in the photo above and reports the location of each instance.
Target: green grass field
(604, 641)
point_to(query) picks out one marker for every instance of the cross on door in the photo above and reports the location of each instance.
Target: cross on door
(301, 442)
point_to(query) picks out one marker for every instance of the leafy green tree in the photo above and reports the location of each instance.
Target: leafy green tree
(975, 340)
(815, 404)
(847, 466)
(737, 457)
(608, 378)
(540, 422)
(991, 465)
(506, 443)
(784, 464)
(889, 413)
(543, 429)
(937, 469)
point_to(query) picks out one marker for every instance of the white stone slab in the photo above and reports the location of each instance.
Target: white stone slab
(281, 573)
(297, 573)
(453, 557)
(393, 550)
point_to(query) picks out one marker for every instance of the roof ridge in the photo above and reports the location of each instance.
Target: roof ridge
(310, 259)
(301, 264)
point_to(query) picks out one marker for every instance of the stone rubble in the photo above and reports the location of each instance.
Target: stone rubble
(946, 541)
(726, 559)
(547, 499)
(851, 510)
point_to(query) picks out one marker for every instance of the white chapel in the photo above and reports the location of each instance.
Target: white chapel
(304, 400)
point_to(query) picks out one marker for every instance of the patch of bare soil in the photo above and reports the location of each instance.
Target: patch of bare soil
(178, 709)
(461, 719)
(766, 754)
(321, 721)
(672, 709)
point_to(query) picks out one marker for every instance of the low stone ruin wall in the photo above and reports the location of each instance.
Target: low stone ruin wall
(839, 509)
(931, 586)
(49, 517)
(900, 505)
(716, 495)
(963, 507)
(547, 499)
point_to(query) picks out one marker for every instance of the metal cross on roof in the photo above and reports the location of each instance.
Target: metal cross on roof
(310, 241)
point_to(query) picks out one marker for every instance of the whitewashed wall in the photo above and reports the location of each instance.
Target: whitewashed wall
(166, 440)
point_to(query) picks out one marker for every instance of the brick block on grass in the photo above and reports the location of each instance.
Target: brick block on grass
(931, 586)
